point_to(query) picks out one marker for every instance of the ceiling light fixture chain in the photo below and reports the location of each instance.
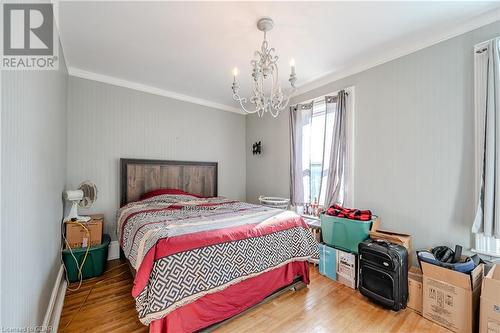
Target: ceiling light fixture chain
(264, 67)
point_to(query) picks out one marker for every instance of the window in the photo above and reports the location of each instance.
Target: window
(316, 140)
(318, 129)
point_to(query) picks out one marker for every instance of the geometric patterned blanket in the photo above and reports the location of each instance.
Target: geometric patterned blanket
(184, 247)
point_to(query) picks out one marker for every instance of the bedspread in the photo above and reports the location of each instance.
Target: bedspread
(185, 247)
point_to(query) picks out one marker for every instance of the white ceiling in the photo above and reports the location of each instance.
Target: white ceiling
(187, 50)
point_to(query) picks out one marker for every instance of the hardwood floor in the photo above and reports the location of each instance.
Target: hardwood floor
(326, 306)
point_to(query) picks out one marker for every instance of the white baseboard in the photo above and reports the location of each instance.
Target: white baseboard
(113, 250)
(56, 302)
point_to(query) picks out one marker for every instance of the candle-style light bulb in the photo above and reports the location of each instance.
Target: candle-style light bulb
(235, 74)
(234, 87)
(292, 66)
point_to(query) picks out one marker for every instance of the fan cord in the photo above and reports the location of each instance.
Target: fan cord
(79, 266)
(92, 288)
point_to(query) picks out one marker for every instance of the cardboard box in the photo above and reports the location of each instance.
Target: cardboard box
(490, 302)
(375, 223)
(347, 269)
(415, 289)
(450, 298)
(77, 237)
(396, 238)
(327, 261)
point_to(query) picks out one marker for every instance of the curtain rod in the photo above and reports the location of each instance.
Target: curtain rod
(483, 46)
(322, 98)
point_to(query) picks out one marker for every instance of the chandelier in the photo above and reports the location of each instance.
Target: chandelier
(264, 68)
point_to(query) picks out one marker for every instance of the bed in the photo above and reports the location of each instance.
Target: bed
(199, 259)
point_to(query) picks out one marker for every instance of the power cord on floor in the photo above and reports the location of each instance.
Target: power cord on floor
(92, 288)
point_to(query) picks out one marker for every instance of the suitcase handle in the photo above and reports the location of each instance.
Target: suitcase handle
(383, 242)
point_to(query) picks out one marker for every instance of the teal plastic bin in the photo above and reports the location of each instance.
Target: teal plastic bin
(94, 264)
(343, 233)
(328, 261)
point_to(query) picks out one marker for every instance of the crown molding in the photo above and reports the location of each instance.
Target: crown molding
(77, 72)
(322, 80)
(314, 83)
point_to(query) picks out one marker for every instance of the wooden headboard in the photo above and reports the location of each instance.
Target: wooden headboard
(138, 176)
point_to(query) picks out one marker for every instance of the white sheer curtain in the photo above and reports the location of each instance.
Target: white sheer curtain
(300, 136)
(487, 104)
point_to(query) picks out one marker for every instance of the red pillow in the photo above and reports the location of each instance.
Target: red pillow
(162, 191)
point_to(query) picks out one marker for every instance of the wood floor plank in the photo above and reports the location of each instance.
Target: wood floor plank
(324, 307)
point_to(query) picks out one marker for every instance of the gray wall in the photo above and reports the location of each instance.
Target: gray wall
(107, 122)
(414, 132)
(33, 137)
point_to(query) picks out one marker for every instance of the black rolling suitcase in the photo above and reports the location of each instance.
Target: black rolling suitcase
(383, 273)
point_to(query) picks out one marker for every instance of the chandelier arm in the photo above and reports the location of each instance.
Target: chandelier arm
(284, 103)
(256, 93)
(289, 95)
(277, 94)
(243, 101)
(275, 115)
(275, 81)
(273, 88)
(266, 100)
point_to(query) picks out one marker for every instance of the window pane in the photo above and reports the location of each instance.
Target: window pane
(315, 158)
(315, 181)
(306, 160)
(317, 135)
(316, 148)
(329, 118)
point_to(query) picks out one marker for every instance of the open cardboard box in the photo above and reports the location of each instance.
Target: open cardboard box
(78, 237)
(393, 237)
(490, 302)
(451, 298)
(375, 223)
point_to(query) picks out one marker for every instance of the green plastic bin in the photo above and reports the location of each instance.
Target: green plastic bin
(342, 233)
(95, 263)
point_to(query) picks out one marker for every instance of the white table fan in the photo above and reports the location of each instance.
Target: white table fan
(84, 196)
